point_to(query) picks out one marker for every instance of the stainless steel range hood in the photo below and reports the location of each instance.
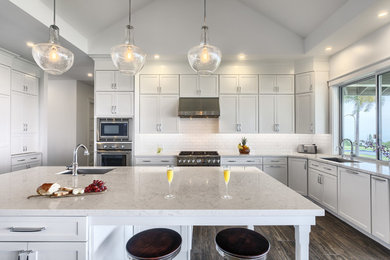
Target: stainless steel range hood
(199, 107)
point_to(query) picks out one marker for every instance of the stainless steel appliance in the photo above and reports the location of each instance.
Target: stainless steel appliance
(199, 107)
(114, 153)
(307, 148)
(114, 130)
(198, 158)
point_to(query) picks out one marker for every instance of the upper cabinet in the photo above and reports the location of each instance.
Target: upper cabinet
(114, 104)
(304, 82)
(239, 84)
(5, 80)
(159, 84)
(276, 84)
(113, 81)
(24, 83)
(276, 114)
(198, 86)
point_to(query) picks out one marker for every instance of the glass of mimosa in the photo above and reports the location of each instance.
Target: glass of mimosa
(170, 179)
(226, 177)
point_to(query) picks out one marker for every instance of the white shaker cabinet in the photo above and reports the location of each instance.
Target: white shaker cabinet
(114, 104)
(238, 113)
(169, 121)
(278, 172)
(276, 114)
(5, 126)
(113, 81)
(380, 208)
(198, 86)
(297, 175)
(355, 198)
(304, 82)
(304, 114)
(159, 84)
(276, 84)
(24, 83)
(239, 84)
(5, 80)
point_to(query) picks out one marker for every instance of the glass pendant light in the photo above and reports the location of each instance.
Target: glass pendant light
(127, 57)
(204, 58)
(52, 57)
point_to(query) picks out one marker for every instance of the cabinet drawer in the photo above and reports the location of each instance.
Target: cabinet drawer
(43, 229)
(275, 160)
(155, 160)
(241, 161)
(30, 158)
(331, 169)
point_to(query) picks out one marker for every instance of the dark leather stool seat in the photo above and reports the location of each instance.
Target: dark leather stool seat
(156, 244)
(241, 243)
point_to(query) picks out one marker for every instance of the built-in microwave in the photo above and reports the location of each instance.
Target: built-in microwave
(114, 130)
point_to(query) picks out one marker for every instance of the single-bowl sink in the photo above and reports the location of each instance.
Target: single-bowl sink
(340, 160)
(89, 171)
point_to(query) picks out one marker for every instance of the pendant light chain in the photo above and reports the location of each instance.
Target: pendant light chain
(54, 13)
(130, 13)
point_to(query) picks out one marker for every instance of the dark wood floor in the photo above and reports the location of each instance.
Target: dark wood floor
(330, 238)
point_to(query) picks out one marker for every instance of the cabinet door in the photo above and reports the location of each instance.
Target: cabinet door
(17, 146)
(30, 143)
(354, 199)
(248, 84)
(169, 120)
(5, 127)
(284, 119)
(228, 117)
(105, 81)
(304, 83)
(32, 85)
(247, 113)
(285, 84)
(267, 84)
(124, 82)
(58, 251)
(208, 86)
(189, 86)
(31, 113)
(304, 114)
(104, 105)
(267, 114)
(297, 175)
(380, 208)
(149, 113)
(169, 84)
(329, 197)
(5, 80)
(124, 104)
(11, 250)
(17, 81)
(149, 84)
(18, 126)
(315, 188)
(278, 172)
(228, 84)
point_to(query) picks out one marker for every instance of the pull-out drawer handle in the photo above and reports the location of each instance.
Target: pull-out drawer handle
(27, 229)
(378, 179)
(275, 166)
(351, 172)
(146, 161)
(164, 161)
(328, 169)
(275, 161)
(33, 158)
(250, 161)
(231, 161)
(315, 165)
(21, 160)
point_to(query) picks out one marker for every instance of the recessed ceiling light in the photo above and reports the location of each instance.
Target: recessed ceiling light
(382, 14)
(90, 75)
(328, 48)
(241, 56)
(30, 44)
(156, 56)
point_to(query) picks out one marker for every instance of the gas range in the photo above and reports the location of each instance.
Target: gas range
(198, 158)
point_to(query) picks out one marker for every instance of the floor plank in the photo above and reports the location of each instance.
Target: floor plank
(330, 239)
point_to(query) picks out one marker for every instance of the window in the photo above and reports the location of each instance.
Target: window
(365, 117)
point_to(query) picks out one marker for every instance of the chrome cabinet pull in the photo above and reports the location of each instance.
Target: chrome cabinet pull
(274, 166)
(33, 158)
(232, 161)
(164, 161)
(351, 172)
(146, 161)
(21, 160)
(379, 179)
(305, 166)
(328, 169)
(250, 161)
(315, 165)
(27, 229)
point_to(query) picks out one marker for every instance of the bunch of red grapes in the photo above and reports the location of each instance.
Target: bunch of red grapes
(96, 186)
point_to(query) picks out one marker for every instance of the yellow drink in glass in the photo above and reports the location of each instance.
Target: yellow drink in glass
(170, 175)
(226, 175)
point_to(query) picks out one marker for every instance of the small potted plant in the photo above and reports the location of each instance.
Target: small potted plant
(242, 147)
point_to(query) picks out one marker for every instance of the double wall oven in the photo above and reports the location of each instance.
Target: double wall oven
(114, 142)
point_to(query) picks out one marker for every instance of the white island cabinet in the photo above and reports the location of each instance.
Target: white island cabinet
(380, 208)
(355, 198)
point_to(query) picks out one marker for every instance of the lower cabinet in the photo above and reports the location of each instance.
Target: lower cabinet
(355, 198)
(323, 188)
(25, 161)
(278, 171)
(297, 175)
(159, 160)
(380, 208)
(43, 251)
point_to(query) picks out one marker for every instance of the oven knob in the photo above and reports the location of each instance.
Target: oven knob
(218, 161)
(214, 161)
(104, 146)
(179, 161)
(209, 161)
(122, 146)
(198, 160)
(113, 146)
(184, 160)
(193, 160)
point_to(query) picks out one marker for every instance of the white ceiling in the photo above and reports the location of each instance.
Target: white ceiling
(300, 16)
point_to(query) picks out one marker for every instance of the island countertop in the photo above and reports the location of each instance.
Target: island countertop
(140, 191)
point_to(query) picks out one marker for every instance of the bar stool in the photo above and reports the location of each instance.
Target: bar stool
(156, 244)
(241, 243)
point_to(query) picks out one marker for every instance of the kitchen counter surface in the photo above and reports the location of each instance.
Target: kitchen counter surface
(137, 191)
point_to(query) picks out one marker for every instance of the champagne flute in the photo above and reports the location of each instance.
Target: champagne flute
(226, 177)
(169, 178)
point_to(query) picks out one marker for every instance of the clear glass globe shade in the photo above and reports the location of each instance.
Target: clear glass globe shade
(204, 58)
(52, 58)
(128, 58)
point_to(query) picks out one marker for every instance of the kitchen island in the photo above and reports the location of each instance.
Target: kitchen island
(135, 197)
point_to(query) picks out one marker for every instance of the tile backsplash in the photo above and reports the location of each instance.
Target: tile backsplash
(202, 134)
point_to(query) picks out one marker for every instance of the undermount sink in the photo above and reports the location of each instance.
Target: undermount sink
(340, 160)
(89, 171)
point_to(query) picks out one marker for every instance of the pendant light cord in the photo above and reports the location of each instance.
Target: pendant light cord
(129, 12)
(54, 13)
(204, 12)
